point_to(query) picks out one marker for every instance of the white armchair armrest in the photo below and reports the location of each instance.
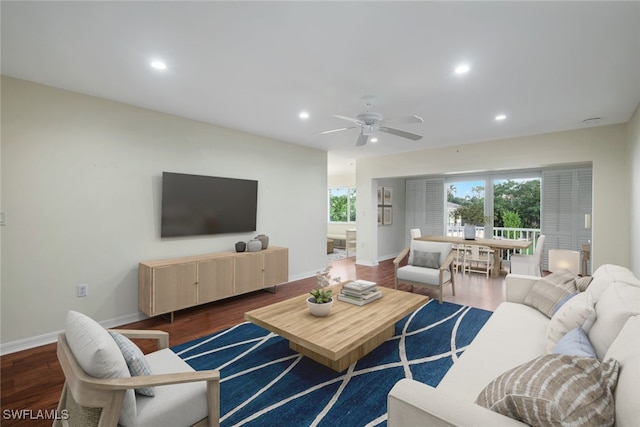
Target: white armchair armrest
(518, 286)
(411, 403)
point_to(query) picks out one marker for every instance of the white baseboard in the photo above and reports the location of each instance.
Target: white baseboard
(51, 337)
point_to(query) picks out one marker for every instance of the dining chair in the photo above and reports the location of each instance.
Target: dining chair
(478, 259)
(530, 265)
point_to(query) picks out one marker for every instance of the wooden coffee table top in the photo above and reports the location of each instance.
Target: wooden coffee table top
(347, 327)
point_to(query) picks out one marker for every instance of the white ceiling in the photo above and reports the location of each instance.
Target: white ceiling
(254, 66)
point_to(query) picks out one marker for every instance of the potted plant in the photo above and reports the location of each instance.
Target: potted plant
(321, 300)
(471, 216)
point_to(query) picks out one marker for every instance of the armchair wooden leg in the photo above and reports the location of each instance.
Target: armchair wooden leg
(213, 394)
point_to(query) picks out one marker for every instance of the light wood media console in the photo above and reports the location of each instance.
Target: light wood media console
(169, 285)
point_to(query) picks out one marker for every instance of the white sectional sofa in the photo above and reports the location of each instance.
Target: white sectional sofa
(517, 333)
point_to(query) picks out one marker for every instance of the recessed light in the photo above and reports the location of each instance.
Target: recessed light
(462, 69)
(159, 65)
(303, 115)
(374, 139)
(500, 117)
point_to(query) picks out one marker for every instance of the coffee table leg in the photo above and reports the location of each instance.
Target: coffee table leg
(345, 361)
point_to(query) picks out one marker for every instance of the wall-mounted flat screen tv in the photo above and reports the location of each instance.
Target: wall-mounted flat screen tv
(199, 205)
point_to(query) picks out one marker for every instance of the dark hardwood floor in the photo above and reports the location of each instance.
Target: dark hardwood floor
(32, 379)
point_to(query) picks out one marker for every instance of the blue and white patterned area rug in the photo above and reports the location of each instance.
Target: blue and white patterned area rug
(264, 383)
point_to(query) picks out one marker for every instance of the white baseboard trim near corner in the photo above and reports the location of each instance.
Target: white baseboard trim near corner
(51, 337)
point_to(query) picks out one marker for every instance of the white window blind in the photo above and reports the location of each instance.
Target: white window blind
(565, 199)
(425, 206)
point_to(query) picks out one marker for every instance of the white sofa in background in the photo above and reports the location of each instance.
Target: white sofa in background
(515, 334)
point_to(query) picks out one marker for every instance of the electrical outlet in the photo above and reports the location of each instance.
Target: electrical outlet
(83, 290)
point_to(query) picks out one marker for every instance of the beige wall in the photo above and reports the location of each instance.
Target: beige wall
(605, 147)
(634, 161)
(81, 181)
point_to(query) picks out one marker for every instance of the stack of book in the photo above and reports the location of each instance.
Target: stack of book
(359, 292)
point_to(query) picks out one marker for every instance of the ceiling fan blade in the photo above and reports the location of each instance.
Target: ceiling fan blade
(408, 119)
(351, 119)
(336, 130)
(362, 140)
(399, 132)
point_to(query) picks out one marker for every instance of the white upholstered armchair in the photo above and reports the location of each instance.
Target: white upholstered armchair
(429, 264)
(99, 389)
(530, 265)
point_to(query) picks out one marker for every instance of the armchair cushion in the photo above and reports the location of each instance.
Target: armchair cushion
(179, 404)
(428, 276)
(136, 362)
(426, 259)
(99, 356)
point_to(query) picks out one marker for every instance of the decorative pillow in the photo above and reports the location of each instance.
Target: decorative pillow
(426, 259)
(559, 277)
(99, 356)
(575, 343)
(137, 364)
(582, 283)
(548, 296)
(555, 389)
(578, 312)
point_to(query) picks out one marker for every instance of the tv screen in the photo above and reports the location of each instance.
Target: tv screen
(198, 205)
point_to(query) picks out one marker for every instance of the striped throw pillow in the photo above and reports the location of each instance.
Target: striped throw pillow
(137, 364)
(549, 293)
(557, 390)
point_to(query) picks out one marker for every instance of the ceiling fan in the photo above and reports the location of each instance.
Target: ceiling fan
(370, 122)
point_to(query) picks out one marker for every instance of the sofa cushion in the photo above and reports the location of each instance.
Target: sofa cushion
(136, 362)
(555, 390)
(99, 356)
(575, 343)
(616, 304)
(514, 334)
(551, 292)
(609, 273)
(626, 350)
(426, 259)
(578, 312)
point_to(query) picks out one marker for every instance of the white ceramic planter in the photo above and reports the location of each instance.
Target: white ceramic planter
(469, 232)
(319, 310)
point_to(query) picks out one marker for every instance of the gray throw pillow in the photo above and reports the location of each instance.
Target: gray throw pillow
(556, 390)
(426, 259)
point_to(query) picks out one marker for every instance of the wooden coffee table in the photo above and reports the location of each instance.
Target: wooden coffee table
(343, 337)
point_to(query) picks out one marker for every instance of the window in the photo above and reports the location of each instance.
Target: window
(342, 204)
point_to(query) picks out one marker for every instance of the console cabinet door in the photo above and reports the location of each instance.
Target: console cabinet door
(215, 279)
(276, 267)
(174, 287)
(248, 272)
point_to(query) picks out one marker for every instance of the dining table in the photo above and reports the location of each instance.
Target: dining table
(498, 245)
